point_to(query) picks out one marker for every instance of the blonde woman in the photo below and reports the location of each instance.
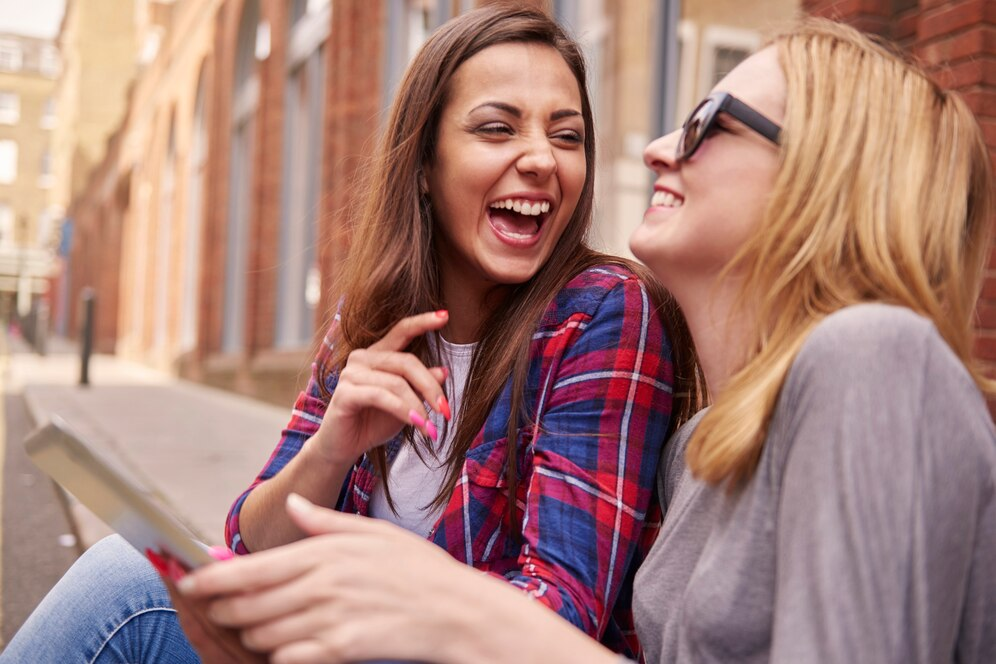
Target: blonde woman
(823, 220)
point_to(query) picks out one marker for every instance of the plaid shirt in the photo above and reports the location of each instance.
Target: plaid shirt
(599, 392)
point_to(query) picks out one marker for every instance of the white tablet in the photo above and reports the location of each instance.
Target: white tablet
(120, 502)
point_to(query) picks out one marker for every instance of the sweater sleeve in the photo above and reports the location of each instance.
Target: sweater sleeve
(886, 521)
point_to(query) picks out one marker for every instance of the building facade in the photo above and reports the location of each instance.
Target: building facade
(216, 220)
(100, 54)
(28, 71)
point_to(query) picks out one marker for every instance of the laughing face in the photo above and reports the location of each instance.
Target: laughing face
(705, 208)
(508, 169)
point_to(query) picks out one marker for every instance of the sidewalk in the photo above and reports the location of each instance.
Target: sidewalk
(195, 447)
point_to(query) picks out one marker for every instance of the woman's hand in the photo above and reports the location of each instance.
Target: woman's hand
(362, 589)
(214, 644)
(382, 389)
(359, 589)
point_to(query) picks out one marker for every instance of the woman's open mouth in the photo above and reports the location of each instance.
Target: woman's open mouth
(518, 221)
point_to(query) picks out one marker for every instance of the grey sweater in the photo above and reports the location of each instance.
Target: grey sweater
(868, 531)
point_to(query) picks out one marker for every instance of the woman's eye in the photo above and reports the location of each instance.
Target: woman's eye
(572, 137)
(495, 129)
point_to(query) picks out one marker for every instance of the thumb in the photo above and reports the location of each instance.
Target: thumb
(315, 520)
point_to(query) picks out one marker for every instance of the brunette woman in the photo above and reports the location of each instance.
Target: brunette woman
(489, 383)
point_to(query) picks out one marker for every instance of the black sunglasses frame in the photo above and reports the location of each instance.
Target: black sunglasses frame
(724, 102)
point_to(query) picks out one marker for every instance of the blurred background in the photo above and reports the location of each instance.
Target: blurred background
(191, 162)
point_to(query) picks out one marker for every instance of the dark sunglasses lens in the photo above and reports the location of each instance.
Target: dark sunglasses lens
(695, 128)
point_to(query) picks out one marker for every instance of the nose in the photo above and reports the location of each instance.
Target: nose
(660, 153)
(537, 160)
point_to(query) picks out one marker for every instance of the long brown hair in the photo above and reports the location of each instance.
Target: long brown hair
(392, 270)
(884, 194)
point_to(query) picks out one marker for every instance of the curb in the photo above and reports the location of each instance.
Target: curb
(86, 527)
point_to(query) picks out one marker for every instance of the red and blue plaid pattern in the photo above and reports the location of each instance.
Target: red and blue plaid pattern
(599, 393)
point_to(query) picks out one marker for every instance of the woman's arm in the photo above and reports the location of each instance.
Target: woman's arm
(594, 454)
(886, 523)
(371, 398)
(364, 589)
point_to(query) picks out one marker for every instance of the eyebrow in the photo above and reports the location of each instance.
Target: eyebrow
(515, 112)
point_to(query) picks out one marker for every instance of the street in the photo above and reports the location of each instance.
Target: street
(36, 546)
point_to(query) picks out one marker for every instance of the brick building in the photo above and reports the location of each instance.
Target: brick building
(28, 70)
(957, 39)
(215, 223)
(98, 46)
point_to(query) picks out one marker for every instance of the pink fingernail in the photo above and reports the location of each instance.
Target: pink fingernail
(220, 553)
(433, 432)
(444, 407)
(415, 418)
(442, 313)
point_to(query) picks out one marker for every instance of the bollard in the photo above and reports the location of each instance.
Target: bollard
(87, 300)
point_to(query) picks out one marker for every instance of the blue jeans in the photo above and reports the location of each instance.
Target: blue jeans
(109, 608)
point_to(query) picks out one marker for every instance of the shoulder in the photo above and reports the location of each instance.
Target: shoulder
(600, 287)
(876, 342)
(888, 369)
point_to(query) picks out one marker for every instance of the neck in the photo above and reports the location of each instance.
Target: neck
(718, 327)
(469, 303)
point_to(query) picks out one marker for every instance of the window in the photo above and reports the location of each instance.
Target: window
(409, 24)
(47, 120)
(301, 180)
(45, 176)
(164, 236)
(10, 56)
(48, 63)
(10, 108)
(722, 49)
(6, 225)
(244, 104)
(194, 223)
(8, 162)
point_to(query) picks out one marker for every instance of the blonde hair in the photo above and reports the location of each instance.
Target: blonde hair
(883, 195)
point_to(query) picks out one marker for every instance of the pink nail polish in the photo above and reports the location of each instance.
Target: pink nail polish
(442, 313)
(415, 418)
(433, 432)
(220, 553)
(444, 407)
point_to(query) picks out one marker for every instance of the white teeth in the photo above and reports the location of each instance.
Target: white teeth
(666, 199)
(528, 208)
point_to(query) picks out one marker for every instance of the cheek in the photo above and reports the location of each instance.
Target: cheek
(573, 176)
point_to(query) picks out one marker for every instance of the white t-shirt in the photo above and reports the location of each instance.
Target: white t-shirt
(414, 482)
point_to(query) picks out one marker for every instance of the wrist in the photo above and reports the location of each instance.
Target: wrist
(322, 449)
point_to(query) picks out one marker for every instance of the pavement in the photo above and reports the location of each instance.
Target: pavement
(194, 447)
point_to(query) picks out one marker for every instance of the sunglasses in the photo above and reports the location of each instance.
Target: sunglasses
(702, 120)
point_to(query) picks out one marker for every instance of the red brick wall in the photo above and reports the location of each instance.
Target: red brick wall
(216, 192)
(956, 39)
(352, 117)
(264, 241)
